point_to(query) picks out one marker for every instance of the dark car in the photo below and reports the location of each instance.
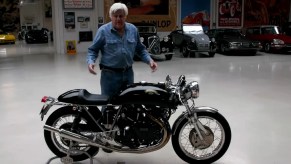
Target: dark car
(191, 38)
(231, 40)
(271, 38)
(36, 36)
(159, 49)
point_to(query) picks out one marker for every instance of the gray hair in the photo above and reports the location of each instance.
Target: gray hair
(118, 6)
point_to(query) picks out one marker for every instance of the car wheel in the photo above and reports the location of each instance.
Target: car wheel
(222, 48)
(211, 54)
(193, 54)
(169, 57)
(185, 51)
(267, 47)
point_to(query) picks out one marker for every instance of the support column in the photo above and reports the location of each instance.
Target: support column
(58, 24)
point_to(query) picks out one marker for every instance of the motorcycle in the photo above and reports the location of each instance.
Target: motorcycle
(136, 120)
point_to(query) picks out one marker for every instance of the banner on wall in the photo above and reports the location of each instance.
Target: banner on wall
(163, 13)
(196, 12)
(230, 13)
(71, 47)
(260, 12)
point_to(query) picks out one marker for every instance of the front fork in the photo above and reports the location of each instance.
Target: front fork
(193, 118)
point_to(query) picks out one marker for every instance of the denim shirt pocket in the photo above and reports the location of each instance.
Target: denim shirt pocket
(112, 45)
(131, 44)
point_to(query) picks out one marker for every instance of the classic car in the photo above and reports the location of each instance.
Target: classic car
(232, 40)
(271, 37)
(6, 38)
(159, 49)
(191, 38)
(36, 36)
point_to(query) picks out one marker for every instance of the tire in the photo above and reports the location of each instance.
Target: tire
(193, 151)
(185, 51)
(222, 48)
(59, 145)
(169, 57)
(211, 54)
(267, 47)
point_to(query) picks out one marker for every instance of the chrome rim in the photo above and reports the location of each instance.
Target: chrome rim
(62, 143)
(193, 147)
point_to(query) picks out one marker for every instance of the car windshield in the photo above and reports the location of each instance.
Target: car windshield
(146, 29)
(271, 30)
(193, 29)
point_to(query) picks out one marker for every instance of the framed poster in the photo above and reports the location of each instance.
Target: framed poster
(230, 13)
(78, 4)
(71, 47)
(69, 20)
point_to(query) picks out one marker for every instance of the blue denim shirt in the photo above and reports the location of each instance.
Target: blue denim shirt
(117, 51)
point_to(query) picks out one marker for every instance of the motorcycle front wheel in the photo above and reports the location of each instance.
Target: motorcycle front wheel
(63, 118)
(190, 148)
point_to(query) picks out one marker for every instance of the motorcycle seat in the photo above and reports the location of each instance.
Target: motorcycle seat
(83, 97)
(87, 98)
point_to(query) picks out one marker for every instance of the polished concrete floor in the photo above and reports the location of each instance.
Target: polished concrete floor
(252, 92)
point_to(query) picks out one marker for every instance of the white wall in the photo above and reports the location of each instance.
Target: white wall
(31, 13)
(61, 34)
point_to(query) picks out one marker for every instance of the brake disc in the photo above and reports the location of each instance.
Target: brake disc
(197, 143)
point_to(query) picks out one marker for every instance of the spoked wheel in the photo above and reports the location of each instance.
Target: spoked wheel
(63, 119)
(216, 139)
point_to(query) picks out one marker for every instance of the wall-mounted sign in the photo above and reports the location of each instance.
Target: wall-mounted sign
(69, 20)
(71, 47)
(163, 13)
(78, 4)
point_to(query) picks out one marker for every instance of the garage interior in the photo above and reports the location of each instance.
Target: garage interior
(252, 92)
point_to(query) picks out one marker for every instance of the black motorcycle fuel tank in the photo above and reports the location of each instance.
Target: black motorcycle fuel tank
(144, 93)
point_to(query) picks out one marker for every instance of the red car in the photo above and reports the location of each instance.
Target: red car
(270, 36)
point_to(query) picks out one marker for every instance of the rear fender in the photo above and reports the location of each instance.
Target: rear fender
(197, 110)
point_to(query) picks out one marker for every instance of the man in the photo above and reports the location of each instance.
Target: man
(118, 42)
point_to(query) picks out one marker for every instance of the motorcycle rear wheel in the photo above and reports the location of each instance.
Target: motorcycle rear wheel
(191, 149)
(62, 118)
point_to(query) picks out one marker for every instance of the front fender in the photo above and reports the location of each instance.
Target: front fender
(197, 110)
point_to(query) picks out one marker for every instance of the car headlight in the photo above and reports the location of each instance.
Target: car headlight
(191, 90)
(141, 39)
(165, 39)
(278, 41)
(193, 40)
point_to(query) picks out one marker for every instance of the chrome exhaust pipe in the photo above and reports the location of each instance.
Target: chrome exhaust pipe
(72, 136)
(82, 139)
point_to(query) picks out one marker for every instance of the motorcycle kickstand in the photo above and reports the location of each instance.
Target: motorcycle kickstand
(67, 159)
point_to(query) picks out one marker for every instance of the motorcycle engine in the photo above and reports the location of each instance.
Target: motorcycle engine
(137, 128)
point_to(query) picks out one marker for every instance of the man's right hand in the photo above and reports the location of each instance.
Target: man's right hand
(91, 69)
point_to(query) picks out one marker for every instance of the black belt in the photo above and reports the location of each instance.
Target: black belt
(115, 69)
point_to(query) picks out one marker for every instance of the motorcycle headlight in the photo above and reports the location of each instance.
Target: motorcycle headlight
(141, 39)
(191, 90)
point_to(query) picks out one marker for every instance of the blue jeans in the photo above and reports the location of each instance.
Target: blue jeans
(112, 81)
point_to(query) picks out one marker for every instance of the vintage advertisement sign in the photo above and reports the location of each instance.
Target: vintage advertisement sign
(260, 12)
(230, 13)
(78, 4)
(163, 13)
(71, 47)
(196, 12)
